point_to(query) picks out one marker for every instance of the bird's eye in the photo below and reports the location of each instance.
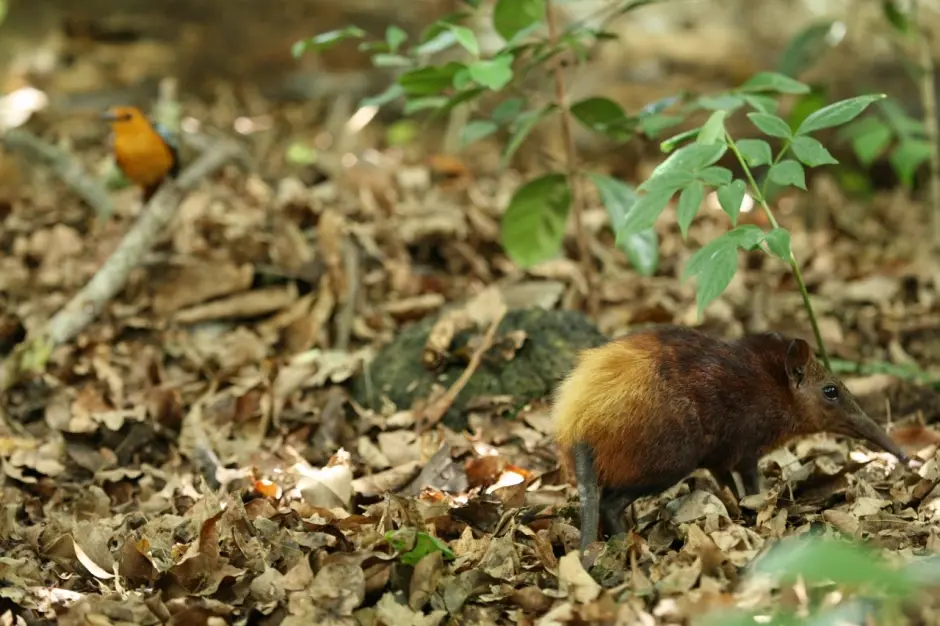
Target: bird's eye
(831, 392)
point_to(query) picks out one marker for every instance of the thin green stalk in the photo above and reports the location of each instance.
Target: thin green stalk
(783, 151)
(794, 266)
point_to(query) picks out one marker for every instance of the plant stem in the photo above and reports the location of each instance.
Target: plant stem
(794, 266)
(929, 100)
(571, 166)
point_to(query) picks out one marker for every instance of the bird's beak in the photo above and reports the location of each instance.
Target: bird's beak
(109, 116)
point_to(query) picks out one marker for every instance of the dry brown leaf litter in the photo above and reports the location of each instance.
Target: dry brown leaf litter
(266, 297)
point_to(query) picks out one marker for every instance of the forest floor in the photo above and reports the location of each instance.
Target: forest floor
(228, 357)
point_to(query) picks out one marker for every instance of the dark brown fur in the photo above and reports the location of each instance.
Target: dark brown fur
(647, 409)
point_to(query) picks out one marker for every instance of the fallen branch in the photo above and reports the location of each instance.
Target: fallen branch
(433, 413)
(88, 303)
(63, 165)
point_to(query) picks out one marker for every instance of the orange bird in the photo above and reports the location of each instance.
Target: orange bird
(144, 151)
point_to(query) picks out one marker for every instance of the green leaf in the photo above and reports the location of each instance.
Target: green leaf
(603, 116)
(494, 73)
(690, 158)
(689, 202)
(778, 241)
(715, 176)
(811, 152)
(669, 181)
(466, 38)
(763, 104)
(907, 156)
(391, 92)
(534, 222)
(430, 80)
(510, 17)
(870, 138)
(895, 16)
(395, 37)
(413, 105)
(788, 172)
(523, 126)
(668, 145)
(713, 265)
(476, 130)
(507, 111)
(656, 123)
(817, 561)
(771, 125)
(642, 250)
(730, 197)
(616, 196)
(837, 113)
(806, 105)
(748, 236)
(415, 545)
(756, 152)
(713, 129)
(805, 48)
(722, 102)
(441, 41)
(898, 118)
(326, 40)
(619, 199)
(391, 60)
(772, 81)
(645, 212)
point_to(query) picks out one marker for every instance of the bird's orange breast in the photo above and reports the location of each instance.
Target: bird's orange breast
(142, 154)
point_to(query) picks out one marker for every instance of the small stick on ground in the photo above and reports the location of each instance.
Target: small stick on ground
(63, 165)
(433, 413)
(88, 303)
(344, 321)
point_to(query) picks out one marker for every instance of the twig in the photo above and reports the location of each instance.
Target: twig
(88, 303)
(63, 165)
(928, 95)
(571, 165)
(433, 413)
(344, 320)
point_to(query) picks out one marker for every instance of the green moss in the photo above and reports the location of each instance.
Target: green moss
(553, 339)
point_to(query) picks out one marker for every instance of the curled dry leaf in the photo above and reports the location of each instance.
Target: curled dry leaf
(327, 487)
(574, 581)
(424, 579)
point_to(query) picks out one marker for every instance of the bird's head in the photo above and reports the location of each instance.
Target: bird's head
(123, 115)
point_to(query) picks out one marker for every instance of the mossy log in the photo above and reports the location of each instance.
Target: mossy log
(552, 340)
